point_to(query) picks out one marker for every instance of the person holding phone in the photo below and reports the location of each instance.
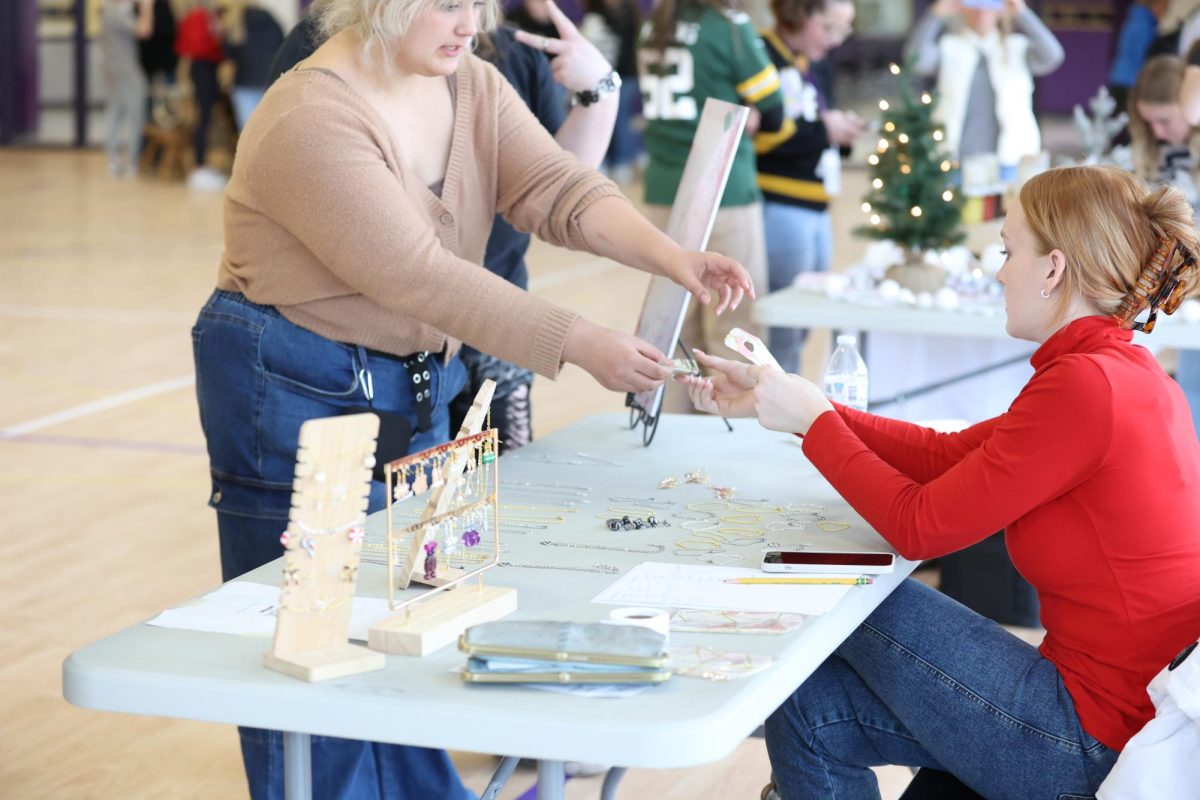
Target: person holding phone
(984, 55)
(1094, 472)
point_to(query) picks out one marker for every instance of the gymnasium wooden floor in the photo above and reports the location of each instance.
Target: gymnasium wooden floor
(103, 477)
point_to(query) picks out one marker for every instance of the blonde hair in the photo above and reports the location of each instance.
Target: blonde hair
(1108, 224)
(1157, 83)
(233, 21)
(377, 23)
(1175, 14)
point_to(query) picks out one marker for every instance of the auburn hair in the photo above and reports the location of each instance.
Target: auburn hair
(1107, 223)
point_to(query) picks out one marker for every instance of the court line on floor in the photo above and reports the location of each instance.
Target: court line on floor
(97, 406)
(77, 314)
(107, 444)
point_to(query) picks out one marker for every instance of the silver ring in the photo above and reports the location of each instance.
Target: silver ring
(545, 41)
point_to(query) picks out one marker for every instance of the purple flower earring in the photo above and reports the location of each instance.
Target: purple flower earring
(430, 560)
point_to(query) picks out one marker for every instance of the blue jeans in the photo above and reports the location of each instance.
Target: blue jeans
(258, 378)
(626, 143)
(798, 240)
(926, 682)
(245, 99)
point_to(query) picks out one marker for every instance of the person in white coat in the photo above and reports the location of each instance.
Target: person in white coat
(1163, 758)
(985, 55)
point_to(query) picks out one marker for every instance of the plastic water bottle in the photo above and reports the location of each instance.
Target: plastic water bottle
(846, 375)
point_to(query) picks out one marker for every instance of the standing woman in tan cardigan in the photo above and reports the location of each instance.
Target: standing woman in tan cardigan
(361, 200)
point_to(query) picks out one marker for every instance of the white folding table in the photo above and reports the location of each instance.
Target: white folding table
(422, 701)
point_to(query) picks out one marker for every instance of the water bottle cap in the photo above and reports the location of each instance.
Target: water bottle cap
(847, 338)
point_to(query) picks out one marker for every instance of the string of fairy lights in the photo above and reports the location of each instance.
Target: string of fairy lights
(902, 140)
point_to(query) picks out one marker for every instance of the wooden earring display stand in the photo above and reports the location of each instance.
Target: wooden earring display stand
(323, 540)
(434, 619)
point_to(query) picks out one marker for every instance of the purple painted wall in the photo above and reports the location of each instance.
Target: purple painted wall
(1087, 30)
(18, 68)
(1083, 72)
(574, 8)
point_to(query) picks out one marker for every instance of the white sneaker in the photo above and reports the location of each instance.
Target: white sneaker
(121, 168)
(206, 179)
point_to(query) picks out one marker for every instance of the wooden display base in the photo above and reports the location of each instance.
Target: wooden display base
(434, 623)
(330, 662)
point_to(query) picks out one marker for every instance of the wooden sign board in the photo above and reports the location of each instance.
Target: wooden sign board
(692, 216)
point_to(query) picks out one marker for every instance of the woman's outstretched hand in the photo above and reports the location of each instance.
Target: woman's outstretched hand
(782, 402)
(618, 361)
(785, 402)
(709, 275)
(729, 392)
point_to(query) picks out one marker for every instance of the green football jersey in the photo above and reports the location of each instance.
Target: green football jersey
(711, 54)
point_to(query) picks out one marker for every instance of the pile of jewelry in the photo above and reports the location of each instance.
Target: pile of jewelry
(627, 523)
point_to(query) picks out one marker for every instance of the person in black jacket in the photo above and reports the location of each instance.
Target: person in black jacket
(798, 166)
(252, 37)
(612, 25)
(156, 52)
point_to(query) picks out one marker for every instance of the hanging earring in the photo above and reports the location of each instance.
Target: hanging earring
(1045, 295)
(438, 478)
(431, 564)
(420, 483)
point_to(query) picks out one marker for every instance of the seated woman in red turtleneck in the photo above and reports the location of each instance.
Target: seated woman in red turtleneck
(1095, 473)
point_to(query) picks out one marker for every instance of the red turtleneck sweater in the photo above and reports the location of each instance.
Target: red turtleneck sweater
(1095, 473)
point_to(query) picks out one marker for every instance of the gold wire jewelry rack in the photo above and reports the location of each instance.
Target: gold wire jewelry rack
(462, 480)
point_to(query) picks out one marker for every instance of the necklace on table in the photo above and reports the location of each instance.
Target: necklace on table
(650, 549)
(603, 569)
(579, 459)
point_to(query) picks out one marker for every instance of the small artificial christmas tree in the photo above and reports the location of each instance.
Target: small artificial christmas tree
(913, 200)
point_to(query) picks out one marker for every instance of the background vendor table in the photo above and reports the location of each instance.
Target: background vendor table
(421, 701)
(800, 308)
(927, 346)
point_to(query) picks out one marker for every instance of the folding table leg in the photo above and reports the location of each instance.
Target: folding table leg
(609, 790)
(297, 766)
(551, 777)
(504, 771)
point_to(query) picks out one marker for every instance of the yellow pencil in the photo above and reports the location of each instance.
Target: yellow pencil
(806, 581)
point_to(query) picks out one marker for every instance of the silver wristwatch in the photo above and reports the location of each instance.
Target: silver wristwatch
(607, 85)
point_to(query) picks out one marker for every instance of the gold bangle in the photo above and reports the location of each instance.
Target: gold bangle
(685, 544)
(749, 535)
(742, 519)
(721, 505)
